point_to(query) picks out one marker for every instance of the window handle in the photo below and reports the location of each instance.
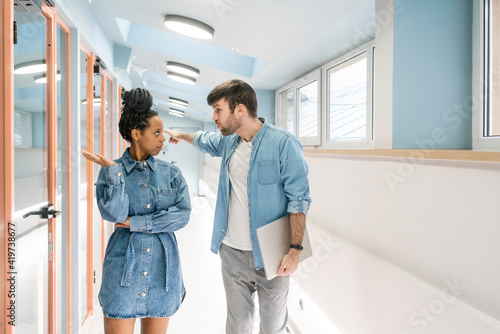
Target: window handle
(44, 213)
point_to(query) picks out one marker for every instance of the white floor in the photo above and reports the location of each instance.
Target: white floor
(204, 309)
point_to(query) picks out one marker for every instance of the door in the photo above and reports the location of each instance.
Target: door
(39, 103)
(31, 165)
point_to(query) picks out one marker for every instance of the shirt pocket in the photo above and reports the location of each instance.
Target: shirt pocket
(267, 171)
(166, 198)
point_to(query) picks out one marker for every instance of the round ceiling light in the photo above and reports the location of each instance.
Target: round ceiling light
(42, 78)
(189, 27)
(31, 67)
(182, 69)
(181, 78)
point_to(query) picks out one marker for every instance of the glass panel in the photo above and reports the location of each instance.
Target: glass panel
(30, 178)
(62, 87)
(494, 70)
(82, 224)
(287, 110)
(308, 110)
(109, 145)
(109, 102)
(347, 101)
(98, 101)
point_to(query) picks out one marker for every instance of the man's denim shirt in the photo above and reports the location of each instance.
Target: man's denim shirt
(277, 179)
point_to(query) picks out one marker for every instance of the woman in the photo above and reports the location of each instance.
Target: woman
(149, 201)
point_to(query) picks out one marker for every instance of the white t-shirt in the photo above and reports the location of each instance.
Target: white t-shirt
(238, 223)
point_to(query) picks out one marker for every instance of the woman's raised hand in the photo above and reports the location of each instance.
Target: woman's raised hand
(98, 159)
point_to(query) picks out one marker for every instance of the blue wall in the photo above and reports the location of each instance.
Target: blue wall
(266, 104)
(432, 94)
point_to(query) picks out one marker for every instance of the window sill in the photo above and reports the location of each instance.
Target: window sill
(463, 155)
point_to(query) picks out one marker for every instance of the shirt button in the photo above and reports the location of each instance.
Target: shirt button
(144, 273)
(223, 230)
(142, 294)
(147, 206)
(144, 185)
(140, 229)
(300, 198)
(118, 174)
(148, 250)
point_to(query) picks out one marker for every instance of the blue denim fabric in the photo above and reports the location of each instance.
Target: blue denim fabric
(277, 179)
(142, 274)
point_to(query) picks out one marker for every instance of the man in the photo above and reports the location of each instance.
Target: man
(263, 177)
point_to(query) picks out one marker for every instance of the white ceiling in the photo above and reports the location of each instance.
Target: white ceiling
(292, 36)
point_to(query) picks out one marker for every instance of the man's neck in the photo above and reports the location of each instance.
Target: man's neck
(249, 129)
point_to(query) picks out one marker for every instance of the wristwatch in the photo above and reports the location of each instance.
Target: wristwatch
(299, 247)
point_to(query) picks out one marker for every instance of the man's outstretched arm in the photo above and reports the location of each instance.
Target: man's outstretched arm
(176, 136)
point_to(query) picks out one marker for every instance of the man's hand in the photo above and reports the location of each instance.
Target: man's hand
(290, 263)
(176, 137)
(98, 159)
(125, 224)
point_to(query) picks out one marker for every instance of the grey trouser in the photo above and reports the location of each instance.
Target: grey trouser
(241, 281)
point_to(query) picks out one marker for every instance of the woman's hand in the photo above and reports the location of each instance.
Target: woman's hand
(98, 159)
(125, 224)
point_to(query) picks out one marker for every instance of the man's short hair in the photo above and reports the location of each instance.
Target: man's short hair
(235, 92)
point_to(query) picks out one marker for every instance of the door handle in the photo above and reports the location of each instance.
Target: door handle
(44, 213)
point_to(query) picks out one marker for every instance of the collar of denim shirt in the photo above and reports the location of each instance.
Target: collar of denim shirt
(129, 163)
(261, 131)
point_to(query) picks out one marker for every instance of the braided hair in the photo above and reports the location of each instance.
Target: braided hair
(136, 112)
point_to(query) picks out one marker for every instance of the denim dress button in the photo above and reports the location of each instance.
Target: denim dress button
(148, 250)
(144, 273)
(142, 294)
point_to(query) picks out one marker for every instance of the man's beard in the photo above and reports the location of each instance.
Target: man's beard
(230, 128)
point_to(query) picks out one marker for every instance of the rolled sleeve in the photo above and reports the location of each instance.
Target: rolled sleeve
(196, 139)
(294, 177)
(300, 205)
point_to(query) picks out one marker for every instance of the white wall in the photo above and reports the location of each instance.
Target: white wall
(401, 243)
(415, 255)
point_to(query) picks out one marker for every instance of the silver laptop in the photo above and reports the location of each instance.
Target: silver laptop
(274, 242)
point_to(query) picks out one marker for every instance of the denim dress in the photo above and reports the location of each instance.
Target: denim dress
(142, 274)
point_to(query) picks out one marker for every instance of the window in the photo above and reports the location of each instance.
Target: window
(486, 101)
(340, 94)
(308, 110)
(492, 70)
(286, 105)
(348, 92)
(298, 108)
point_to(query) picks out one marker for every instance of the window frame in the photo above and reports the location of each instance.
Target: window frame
(278, 111)
(296, 85)
(369, 49)
(302, 82)
(480, 79)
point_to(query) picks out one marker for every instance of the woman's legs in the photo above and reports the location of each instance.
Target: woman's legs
(154, 325)
(118, 326)
(126, 326)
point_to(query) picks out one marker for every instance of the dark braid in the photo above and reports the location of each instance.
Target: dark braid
(136, 112)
